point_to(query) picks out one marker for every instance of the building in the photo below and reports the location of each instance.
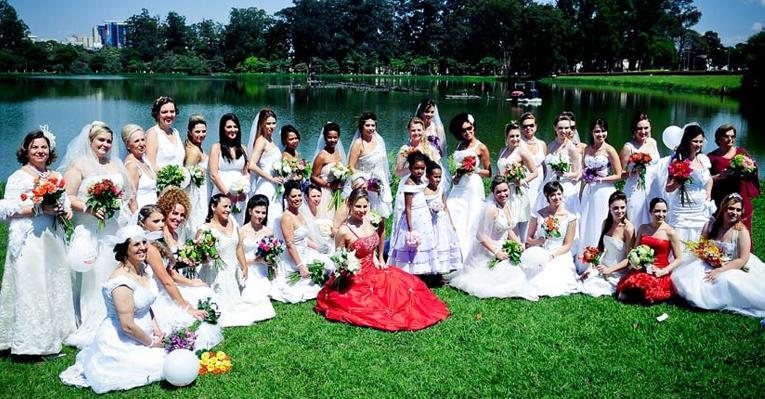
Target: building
(112, 33)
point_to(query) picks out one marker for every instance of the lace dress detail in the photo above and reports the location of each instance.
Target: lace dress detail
(36, 310)
(688, 219)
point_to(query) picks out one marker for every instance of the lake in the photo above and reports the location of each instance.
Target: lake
(66, 104)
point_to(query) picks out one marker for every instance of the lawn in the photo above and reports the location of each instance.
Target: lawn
(571, 346)
(713, 84)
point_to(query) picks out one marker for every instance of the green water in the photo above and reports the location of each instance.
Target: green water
(65, 104)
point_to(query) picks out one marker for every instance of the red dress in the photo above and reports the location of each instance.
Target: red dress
(639, 286)
(748, 187)
(387, 299)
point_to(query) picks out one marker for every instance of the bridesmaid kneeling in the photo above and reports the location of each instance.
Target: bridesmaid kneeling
(731, 286)
(385, 298)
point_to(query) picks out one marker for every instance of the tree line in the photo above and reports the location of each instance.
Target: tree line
(423, 37)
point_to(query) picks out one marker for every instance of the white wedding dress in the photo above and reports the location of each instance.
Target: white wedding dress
(229, 173)
(199, 198)
(596, 284)
(558, 276)
(594, 205)
(375, 164)
(169, 153)
(36, 309)
(260, 185)
(463, 202)
(146, 192)
(688, 218)
(115, 361)
(281, 289)
(638, 198)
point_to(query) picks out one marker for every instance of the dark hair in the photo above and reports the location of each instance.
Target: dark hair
(307, 189)
(159, 102)
(724, 128)
(22, 154)
(214, 201)
(561, 117)
(120, 250)
(496, 181)
(415, 156)
(227, 144)
(256, 200)
(330, 127)
(432, 166)
(513, 125)
(146, 211)
(639, 116)
(683, 150)
(455, 125)
(424, 105)
(356, 194)
(290, 185)
(570, 115)
(551, 187)
(194, 120)
(599, 122)
(720, 214)
(365, 116)
(286, 130)
(655, 201)
(527, 115)
(263, 116)
(609, 222)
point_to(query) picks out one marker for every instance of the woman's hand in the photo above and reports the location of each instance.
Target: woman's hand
(712, 275)
(304, 271)
(501, 255)
(196, 313)
(98, 214)
(659, 272)
(52, 209)
(244, 272)
(380, 263)
(603, 270)
(277, 180)
(197, 282)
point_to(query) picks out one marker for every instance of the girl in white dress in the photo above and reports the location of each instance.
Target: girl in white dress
(301, 251)
(447, 247)
(319, 224)
(195, 155)
(237, 308)
(433, 128)
(36, 310)
(329, 152)
(601, 169)
(128, 349)
(514, 153)
(264, 153)
(369, 157)
(254, 230)
(538, 150)
(689, 215)
(554, 228)
(739, 284)
(228, 165)
(412, 245)
(563, 146)
(141, 176)
(616, 239)
(636, 191)
(467, 190)
(91, 158)
(503, 280)
(163, 142)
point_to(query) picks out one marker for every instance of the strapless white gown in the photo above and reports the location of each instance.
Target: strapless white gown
(304, 289)
(464, 201)
(596, 284)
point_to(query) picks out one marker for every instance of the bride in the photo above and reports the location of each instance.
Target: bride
(89, 160)
(369, 157)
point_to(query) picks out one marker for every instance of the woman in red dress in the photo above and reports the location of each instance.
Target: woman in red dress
(724, 182)
(385, 298)
(656, 285)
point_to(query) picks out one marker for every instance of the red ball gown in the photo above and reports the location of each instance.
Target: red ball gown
(387, 299)
(639, 286)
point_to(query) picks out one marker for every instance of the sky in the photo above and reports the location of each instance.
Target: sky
(733, 20)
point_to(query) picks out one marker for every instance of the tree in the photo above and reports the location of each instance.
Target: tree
(13, 31)
(207, 38)
(143, 35)
(245, 35)
(175, 33)
(753, 81)
(717, 53)
(255, 64)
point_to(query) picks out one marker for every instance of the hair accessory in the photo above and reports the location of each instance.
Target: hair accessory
(48, 135)
(471, 119)
(734, 195)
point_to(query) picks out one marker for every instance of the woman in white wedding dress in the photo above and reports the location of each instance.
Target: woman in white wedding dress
(237, 307)
(553, 228)
(637, 187)
(563, 148)
(141, 176)
(515, 153)
(433, 128)
(503, 279)
(195, 155)
(128, 348)
(538, 150)
(228, 165)
(163, 142)
(329, 152)
(91, 158)
(738, 284)
(369, 157)
(254, 230)
(617, 237)
(467, 188)
(36, 310)
(264, 153)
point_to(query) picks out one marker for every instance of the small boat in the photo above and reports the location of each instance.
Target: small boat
(463, 96)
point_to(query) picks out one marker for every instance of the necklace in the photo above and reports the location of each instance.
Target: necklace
(42, 174)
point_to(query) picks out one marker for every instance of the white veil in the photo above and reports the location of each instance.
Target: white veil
(253, 135)
(438, 127)
(380, 142)
(320, 146)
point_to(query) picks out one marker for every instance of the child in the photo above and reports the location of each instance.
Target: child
(447, 248)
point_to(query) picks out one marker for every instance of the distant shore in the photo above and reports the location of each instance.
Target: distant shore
(722, 84)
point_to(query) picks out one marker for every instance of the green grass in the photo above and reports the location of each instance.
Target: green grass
(712, 84)
(571, 346)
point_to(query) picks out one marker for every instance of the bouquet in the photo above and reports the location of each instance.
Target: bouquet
(559, 162)
(681, 171)
(182, 338)
(641, 258)
(594, 169)
(196, 174)
(375, 218)
(467, 165)
(436, 206)
(240, 187)
(104, 196)
(213, 314)
(269, 248)
(315, 271)
(435, 141)
(214, 363)
(592, 256)
(172, 175)
(301, 168)
(551, 227)
(49, 190)
(743, 164)
(373, 184)
(516, 172)
(338, 174)
(513, 249)
(282, 168)
(194, 252)
(638, 162)
(709, 252)
(346, 265)
(412, 239)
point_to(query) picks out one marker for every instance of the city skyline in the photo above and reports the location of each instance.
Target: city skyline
(733, 20)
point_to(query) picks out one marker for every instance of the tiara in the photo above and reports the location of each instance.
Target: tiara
(48, 135)
(734, 195)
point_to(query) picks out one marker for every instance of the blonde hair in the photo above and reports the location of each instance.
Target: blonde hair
(97, 128)
(415, 121)
(128, 130)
